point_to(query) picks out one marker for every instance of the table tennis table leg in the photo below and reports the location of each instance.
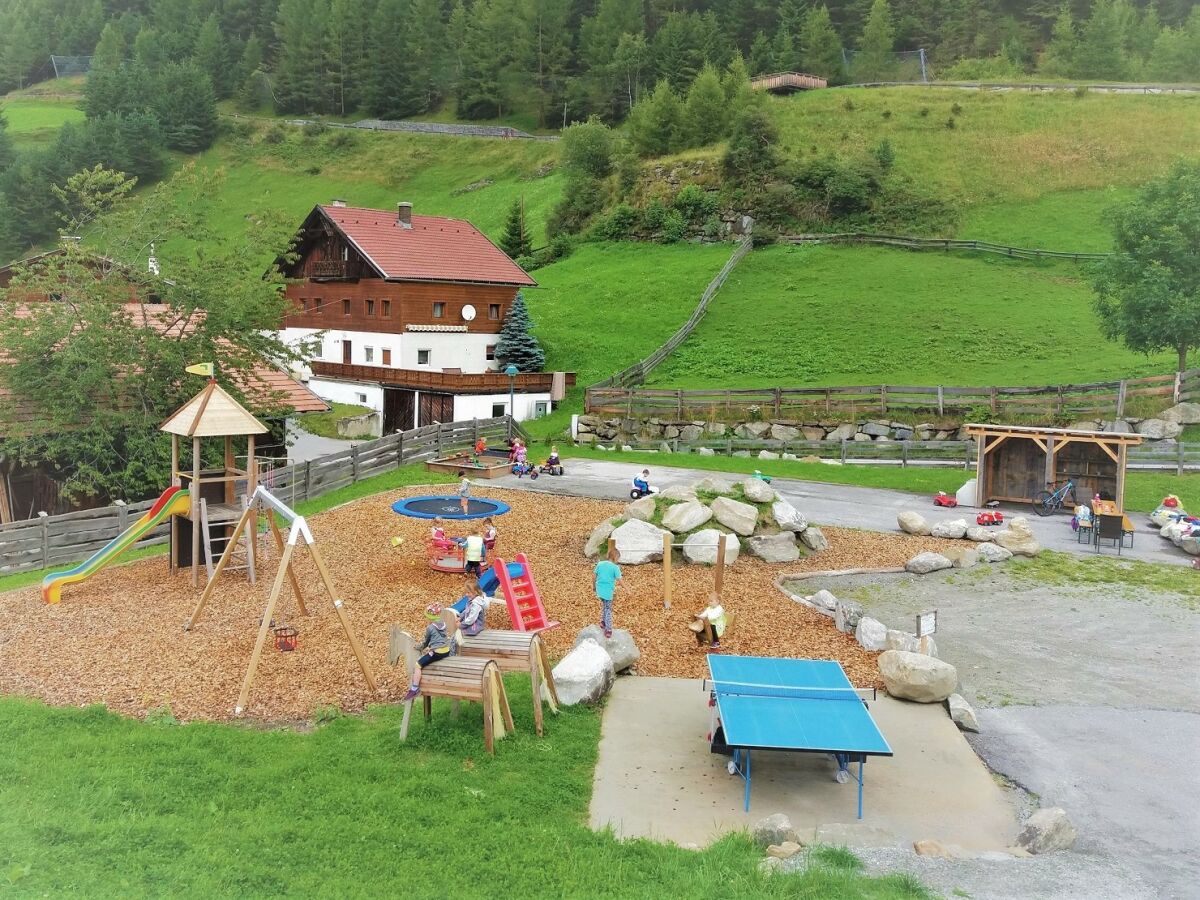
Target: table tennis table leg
(747, 777)
(860, 785)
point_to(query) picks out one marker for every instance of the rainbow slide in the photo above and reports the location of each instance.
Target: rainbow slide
(175, 501)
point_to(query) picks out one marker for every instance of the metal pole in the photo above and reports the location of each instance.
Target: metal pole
(924, 80)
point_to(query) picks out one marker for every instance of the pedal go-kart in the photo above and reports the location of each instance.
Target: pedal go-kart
(551, 470)
(941, 498)
(523, 469)
(990, 518)
(638, 493)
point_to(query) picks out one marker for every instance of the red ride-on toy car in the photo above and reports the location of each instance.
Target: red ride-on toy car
(941, 498)
(990, 518)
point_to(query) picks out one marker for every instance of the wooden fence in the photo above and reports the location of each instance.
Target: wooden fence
(944, 244)
(1101, 398)
(64, 539)
(636, 374)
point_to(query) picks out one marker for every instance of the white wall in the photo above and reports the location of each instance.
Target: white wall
(347, 392)
(479, 406)
(453, 350)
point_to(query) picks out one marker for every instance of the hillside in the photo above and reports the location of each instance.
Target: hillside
(867, 315)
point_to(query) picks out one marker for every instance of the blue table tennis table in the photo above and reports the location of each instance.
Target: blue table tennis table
(796, 705)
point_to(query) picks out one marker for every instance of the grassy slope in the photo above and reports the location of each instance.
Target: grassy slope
(866, 315)
(1007, 147)
(92, 804)
(34, 120)
(325, 424)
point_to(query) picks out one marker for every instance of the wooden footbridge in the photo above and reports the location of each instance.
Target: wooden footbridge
(786, 82)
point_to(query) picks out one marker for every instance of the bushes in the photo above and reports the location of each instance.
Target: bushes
(694, 203)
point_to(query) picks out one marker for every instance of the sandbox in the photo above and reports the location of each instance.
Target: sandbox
(492, 464)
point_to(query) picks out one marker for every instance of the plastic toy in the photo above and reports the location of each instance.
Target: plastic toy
(638, 493)
(521, 469)
(941, 498)
(989, 518)
(551, 470)
(761, 477)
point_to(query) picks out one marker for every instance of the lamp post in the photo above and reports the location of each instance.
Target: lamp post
(511, 371)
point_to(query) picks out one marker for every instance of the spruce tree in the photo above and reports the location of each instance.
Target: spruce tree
(874, 59)
(252, 89)
(515, 240)
(820, 46)
(186, 107)
(211, 55)
(105, 88)
(705, 114)
(762, 56)
(7, 154)
(656, 123)
(517, 346)
(736, 83)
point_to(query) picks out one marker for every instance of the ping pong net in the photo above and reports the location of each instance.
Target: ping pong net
(726, 687)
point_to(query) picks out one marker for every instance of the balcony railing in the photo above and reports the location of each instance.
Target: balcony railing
(444, 382)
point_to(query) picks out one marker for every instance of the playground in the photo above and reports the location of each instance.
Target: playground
(118, 638)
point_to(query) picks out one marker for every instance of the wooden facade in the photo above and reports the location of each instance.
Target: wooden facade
(1015, 462)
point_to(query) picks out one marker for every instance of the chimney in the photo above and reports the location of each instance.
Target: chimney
(337, 202)
(404, 214)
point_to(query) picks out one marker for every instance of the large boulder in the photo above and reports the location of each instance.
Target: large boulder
(847, 615)
(814, 539)
(843, 432)
(596, 540)
(978, 533)
(913, 523)
(686, 516)
(993, 553)
(876, 429)
(1047, 830)
(871, 633)
(584, 675)
(713, 484)
(621, 646)
(1018, 538)
(901, 640)
(774, 830)
(784, 432)
(738, 517)
(640, 509)
(767, 454)
(924, 563)
(1158, 429)
(701, 547)
(824, 601)
(1183, 414)
(787, 516)
(962, 557)
(915, 676)
(690, 433)
(953, 529)
(962, 713)
(758, 491)
(774, 548)
(681, 492)
(637, 542)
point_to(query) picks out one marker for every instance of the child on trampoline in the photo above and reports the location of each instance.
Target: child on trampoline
(435, 647)
(464, 490)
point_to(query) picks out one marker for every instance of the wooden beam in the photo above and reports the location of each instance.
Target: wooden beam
(195, 507)
(719, 568)
(279, 542)
(263, 629)
(667, 538)
(994, 444)
(342, 617)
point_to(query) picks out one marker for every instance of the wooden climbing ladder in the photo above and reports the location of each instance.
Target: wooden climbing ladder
(224, 516)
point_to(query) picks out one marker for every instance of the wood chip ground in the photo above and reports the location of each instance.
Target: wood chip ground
(118, 638)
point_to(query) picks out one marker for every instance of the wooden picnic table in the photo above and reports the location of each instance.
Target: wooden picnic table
(1105, 508)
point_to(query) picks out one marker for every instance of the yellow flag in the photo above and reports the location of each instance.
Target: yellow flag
(205, 369)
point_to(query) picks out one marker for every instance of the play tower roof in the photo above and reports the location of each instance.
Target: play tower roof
(212, 413)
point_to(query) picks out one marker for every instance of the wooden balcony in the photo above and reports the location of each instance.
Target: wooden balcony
(441, 382)
(333, 269)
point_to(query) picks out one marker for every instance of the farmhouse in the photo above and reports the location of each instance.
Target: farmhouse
(410, 308)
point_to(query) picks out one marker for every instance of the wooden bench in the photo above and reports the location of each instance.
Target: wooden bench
(516, 651)
(458, 678)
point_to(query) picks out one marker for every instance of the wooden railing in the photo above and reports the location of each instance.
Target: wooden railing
(444, 382)
(909, 242)
(52, 541)
(788, 81)
(1104, 398)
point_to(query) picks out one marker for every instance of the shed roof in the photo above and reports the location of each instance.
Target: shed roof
(432, 249)
(212, 413)
(1030, 431)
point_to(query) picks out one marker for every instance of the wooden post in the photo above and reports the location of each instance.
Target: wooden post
(843, 451)
(778, 402)
(1178, 464)
(1178, 386)
(505, 711)
(44, 521)
(229, 467)
(719, 567)
(194, 508)
(667, 537)
(307, 479)
(291, 572)
(263, 628)
(883, 399)
(904, 454)
(941, 402)
(489, 725)
(1121, 399)
(173, 528)
(354, 464)
(342, 617)
(535, 684)
(211, 587)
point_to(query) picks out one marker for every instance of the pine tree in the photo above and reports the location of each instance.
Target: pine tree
(105, 88)
(253, 92)
(736, 83)
(517, 346)
(820, 46)
(656, 123)
(873, 62)
(676, 52)
(345, 54)
(299, 63)
(705, 113)
(147, 50)
(1100, 52)
(1059, 55)
(186, 107)
(762, 56)
(7, 154)
(211, 55)
(515, 241)
(393, 86)
(550, 53)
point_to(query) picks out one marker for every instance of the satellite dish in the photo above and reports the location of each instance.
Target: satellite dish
(468, 313)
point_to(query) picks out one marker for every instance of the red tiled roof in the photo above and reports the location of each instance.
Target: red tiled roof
(434, 249)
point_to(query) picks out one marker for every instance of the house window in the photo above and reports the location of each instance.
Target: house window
(369, 354)
(439, 310)
(387, 309)
(304, 304)
(499, 409)
(387, 356)
(493, 310)
(422, 357)
(318, 306)
(490, 352)
(370, 307)
(345, 307)
(362, 398)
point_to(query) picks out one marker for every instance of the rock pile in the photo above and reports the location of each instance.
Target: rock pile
(751, 515)
(986, 545)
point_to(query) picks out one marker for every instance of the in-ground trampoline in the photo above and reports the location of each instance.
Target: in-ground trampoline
(449, 508)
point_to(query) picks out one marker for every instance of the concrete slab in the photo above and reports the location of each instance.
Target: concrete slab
(656, 778)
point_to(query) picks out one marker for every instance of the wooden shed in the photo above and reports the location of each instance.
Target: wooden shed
(1017, 461)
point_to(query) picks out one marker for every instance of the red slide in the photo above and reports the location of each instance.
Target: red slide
(525, 608)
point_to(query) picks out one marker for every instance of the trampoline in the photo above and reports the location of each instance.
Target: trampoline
(449, 508)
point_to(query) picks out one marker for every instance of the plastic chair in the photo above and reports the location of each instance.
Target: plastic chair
(1110, 528)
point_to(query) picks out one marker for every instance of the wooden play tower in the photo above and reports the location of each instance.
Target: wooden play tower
(218, 494)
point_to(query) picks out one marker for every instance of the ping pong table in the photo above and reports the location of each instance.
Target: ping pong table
(796, 705)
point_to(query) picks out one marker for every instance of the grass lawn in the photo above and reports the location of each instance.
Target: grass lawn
(35, 120)
(1113, 574)
(1006, 147)
(799, 316)
(325, 424)
(1143, 490)
(93, 804)
(1065, 221)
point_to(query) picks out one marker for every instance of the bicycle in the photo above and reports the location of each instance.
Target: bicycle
(1046, 503)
